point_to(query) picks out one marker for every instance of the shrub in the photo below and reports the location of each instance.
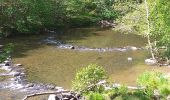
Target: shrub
(6, 52)
(123, 90)
(154, 81)
(95, 96)
(88, 77)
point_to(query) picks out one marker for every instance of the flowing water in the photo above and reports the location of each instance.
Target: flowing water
(54, 58)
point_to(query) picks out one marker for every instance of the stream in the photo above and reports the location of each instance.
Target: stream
(50, 61)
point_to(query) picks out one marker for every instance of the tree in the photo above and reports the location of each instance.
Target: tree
(150, 19)
(154, 81)
(148, 33)
(161, 26)
(88, 76)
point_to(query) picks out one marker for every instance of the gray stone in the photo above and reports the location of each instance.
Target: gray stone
(7, 63)
(13, 79)
(18, 64)
(15, 74)
(29, 85)
(57, 88)
(1, 46)
(129, 59)
(72, 47)
(134, 48)
(150, 61)
(53, 97)
(50, 86)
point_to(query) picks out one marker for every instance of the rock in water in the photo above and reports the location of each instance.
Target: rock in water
(53, 97)
(7, 63)
(134, 48)
(150, 61)
(1, 46)
(129, 59)
(72, 47)
(18, 64)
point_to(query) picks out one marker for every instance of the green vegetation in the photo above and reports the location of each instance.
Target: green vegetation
(95, 96)
(87, 78)
(36, 16)
(6, 51)
(149, 18)
(154, 83)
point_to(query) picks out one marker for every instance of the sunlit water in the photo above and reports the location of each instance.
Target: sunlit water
(49, 64)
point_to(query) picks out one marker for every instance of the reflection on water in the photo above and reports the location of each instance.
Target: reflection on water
(49, 64)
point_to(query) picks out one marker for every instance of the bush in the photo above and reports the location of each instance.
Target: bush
(123, 90)
(154, 81)
(6, 52)
(30, 16)
(88, 77)
(95, 96)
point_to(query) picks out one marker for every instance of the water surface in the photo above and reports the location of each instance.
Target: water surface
(49, 64)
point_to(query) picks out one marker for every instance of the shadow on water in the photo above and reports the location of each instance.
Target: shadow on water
(25, 43)
(101, 38)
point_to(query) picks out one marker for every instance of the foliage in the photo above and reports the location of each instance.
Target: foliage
(154, 81)
(34, 16)
(88, 77)
(122, 90)
(134, 20)
(6, 52)
(95, 96)
(161, 25)
(28, 16)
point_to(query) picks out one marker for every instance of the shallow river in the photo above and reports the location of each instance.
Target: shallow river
(48, 59)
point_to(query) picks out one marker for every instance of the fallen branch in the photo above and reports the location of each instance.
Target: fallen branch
(44, 93)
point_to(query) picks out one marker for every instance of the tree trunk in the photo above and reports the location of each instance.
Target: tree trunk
(148, 32)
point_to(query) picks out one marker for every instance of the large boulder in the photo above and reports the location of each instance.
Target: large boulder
(150, 61)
